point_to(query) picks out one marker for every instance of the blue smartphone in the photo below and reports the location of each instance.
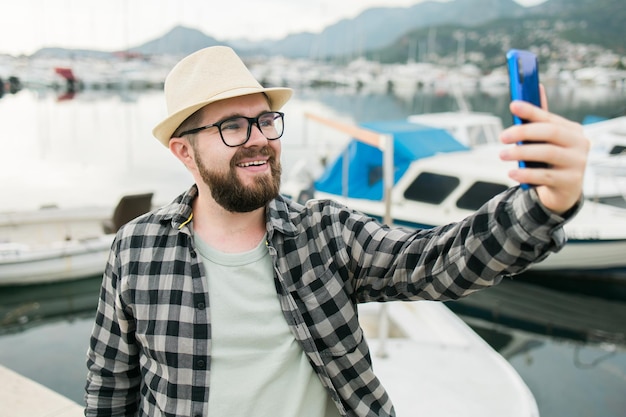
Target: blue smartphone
(523, 71)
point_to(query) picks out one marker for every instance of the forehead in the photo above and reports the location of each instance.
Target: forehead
(249, 105)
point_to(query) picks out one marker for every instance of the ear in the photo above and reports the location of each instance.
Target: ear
(181, 148)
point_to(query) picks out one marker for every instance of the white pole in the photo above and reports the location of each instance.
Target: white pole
(386, 143)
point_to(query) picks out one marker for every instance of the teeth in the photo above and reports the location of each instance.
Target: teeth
(253, 163)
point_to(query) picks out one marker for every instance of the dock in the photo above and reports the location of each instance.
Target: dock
(23, 397)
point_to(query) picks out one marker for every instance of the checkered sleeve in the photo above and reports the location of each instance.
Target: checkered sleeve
(149, 352)
(112, 387)
(504, 237)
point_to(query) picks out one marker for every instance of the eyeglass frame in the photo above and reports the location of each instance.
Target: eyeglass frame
(251, 121)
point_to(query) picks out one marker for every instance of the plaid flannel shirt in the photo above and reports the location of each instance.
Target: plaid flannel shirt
(150, 351)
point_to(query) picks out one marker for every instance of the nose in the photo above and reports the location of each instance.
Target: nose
(257, 138)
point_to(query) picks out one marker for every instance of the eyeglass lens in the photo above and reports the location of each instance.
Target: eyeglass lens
(236, 131)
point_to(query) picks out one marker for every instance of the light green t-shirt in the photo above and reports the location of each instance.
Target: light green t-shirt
(257, 369)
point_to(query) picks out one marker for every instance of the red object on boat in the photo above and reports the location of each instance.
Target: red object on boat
(65, 73)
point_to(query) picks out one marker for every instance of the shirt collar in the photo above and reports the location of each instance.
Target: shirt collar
(180, 211)
(278, 217)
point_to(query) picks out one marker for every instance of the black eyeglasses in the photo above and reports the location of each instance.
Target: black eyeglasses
(235, 131)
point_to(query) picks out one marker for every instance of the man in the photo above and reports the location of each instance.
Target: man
(234, 301)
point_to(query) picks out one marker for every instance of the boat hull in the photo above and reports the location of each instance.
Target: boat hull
(586, 255)
(461, 365)
(68, 261)
(53, 244)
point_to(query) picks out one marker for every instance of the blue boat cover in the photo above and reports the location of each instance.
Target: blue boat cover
(365, 170)
(590, 118)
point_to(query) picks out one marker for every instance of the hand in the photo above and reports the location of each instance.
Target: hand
(564, 149)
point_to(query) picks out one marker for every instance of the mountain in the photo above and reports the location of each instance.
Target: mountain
(388, 33)
(377, 27)
(178, 41)
(553, 28)
(600, 22)
(393, 34)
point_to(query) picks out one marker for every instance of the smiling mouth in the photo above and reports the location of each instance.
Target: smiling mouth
(251, 164)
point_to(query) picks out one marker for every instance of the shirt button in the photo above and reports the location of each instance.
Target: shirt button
(200, 306)
(200, 364)
(193, 254)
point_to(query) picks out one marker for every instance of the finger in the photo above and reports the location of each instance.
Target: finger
(561, 182)
(535, 176)
(531, 153)
(560, 134)
(555, 157)
(544, 125)
(532, 113)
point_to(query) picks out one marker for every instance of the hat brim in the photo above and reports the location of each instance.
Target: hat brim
(163, 131)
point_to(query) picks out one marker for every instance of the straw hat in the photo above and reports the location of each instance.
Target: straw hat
(209, 75)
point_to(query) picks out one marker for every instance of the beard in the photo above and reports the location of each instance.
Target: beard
(230, 193)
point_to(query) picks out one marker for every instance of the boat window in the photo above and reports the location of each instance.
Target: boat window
(618, 150)
(478, 194)
(431, 188)
(478, 136)
(374, 174)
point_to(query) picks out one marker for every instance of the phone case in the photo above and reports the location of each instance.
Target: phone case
(523, 70)
(524, 78)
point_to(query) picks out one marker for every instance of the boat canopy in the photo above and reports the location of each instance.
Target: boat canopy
(411, 141)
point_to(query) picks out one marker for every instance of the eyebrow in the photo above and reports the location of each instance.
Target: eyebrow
(226, 117)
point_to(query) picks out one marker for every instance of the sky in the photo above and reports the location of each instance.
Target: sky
(28, 25)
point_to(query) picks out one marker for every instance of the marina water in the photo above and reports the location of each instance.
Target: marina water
(97, 146)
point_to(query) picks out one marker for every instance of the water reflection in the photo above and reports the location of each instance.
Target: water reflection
(567, 378)
(90, 150)
(568, 345)
(543, 310)
(24, 307)
(575, 103)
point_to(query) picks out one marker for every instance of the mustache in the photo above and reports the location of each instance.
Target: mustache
(243, 153)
